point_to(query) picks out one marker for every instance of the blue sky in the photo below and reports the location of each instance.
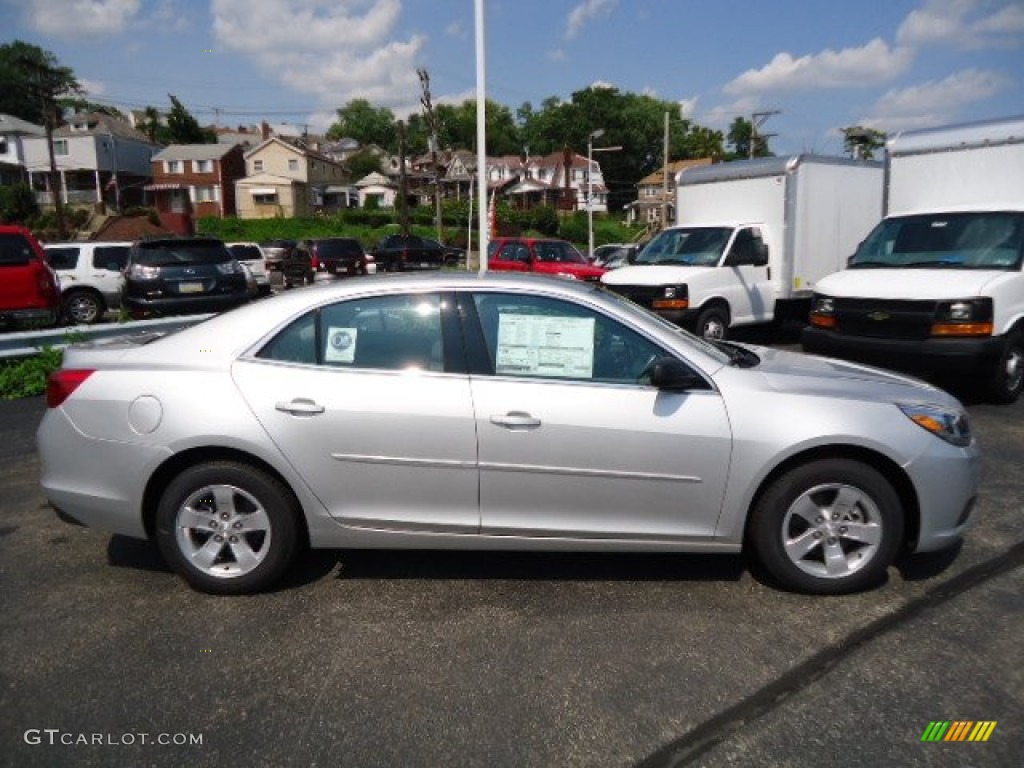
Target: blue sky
(824, 64)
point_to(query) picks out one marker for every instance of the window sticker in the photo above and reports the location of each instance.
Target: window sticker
(539, 345)
(341, 345)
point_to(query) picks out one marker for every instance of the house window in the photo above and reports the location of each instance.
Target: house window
(293, 165)
(257, 166)
(3, 145)
(203, 166)
(264, 198)
(60, 147)
(175, 166)
(206, 194)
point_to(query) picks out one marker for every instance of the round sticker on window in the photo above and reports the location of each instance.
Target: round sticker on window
(341, 345)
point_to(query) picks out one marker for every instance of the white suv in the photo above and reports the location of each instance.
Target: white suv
(253, 257)
(90, 277)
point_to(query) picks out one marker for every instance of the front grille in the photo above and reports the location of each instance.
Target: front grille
(888, 319)
(644, 295)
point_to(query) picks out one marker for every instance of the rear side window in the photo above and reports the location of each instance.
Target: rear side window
(110, 257)
(62, 258)
(15, 250)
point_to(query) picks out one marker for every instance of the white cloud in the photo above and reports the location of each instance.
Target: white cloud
(586, 12)
(687, 107)
(558, 54)
(721, 117)
(963, 23)
(873, 63)
(78, 18)
(336, 50)
(934, 102)
(92, 87)
(456, 29)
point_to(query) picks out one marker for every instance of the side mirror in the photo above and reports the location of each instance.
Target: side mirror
(761, 255)
(671, 375)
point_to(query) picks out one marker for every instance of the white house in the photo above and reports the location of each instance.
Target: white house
(13, 132)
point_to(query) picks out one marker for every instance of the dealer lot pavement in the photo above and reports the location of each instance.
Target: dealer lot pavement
(426, 659)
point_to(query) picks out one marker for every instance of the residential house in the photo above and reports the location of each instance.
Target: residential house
(378, 187)
(286, 178)
(651, 198)
(191, 181)
(13, 132)
(100, 159)
(559, 178)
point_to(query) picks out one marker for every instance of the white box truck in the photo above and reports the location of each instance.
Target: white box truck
(937, 287)
(751, 240)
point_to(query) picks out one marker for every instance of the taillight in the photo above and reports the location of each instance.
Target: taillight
(61, 383)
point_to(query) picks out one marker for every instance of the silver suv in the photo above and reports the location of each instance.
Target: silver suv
(91, 277)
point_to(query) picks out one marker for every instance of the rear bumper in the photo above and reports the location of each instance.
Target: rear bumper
(934, 355)
(33, 316)
(191, 305)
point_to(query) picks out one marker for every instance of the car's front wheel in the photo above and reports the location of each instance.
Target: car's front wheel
(1006, 381)
(831, 526)
(227, 527)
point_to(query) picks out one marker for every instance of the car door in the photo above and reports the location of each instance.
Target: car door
(107, 269)
(572, 440)
(510, 256)
(365, 400)
(750, 292)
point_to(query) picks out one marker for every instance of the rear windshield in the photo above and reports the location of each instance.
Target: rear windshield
(62, 258)
(328, 248)
(246, 252)
(164, 254)
(15, 249)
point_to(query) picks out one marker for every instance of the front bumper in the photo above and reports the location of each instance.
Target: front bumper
(946, 479)
(937, 355)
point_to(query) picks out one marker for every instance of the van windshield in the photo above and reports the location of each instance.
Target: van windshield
(700, 246)
(970, 240)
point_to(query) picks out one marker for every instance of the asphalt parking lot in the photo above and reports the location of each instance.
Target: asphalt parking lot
(463, 659)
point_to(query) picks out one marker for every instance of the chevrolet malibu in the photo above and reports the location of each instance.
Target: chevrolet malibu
(454, 411)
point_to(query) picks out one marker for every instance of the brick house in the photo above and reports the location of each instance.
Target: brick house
(647, 207)
(191, 181)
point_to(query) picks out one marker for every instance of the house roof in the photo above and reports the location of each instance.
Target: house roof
(193, 152)
(295, 145)
(99, 124)
(673, 168)
(11, 125)
(374, 180)
(264, 179)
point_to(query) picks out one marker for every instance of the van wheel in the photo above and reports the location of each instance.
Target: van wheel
(713, 323)
(82, 307)
(1007, 378)
(831, 526)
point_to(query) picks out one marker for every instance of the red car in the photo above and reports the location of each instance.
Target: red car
(545, 257)
(29, 289)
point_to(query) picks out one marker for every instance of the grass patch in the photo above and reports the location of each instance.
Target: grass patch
(27, 377)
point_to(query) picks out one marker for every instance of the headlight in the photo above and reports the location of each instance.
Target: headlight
(950, 424)
(963, 317)
(142, 272)
(824, 305)
(229, 268)
(673, 297)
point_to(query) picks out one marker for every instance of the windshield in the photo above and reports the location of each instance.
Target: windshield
(182, 252)
(989, 240)
(701, 246)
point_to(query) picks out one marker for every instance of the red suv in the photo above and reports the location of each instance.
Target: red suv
(29, 290)
(546, 257)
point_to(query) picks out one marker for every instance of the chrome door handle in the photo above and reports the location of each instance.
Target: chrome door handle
(516, 419)
(300, 406)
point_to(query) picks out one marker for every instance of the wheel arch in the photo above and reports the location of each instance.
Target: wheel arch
(888, 468)
(179, 462)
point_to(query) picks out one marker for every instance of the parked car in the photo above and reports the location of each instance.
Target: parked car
(91, 277)
(29, 289)
(543, 256)
(615, 256)
(463, 411)
(251, 255)
(602, 252)
(334, 255)
(402, 253)
(453, 256)
(182, 276)
(275, 251)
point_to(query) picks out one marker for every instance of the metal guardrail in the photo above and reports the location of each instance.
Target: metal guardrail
(28, 343)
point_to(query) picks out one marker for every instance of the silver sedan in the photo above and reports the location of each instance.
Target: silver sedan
(497, 412)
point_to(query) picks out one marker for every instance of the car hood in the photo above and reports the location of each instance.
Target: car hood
(651, 275)
(935, 284)
(798, 373)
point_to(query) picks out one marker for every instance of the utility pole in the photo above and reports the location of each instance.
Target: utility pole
(664, 180)
(403, 201)
(757, 119)
(431, 118)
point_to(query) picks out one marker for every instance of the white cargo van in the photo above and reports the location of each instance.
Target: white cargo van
(937, 287)
(751, 240)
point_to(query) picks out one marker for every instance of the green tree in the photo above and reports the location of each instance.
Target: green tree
(367, 124)
(362, 164)
(741, 133)
(31, 82)
(154, 128)
(862, 143)
(17, 204)
(183, 128)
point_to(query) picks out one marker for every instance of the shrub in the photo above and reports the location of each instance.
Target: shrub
(27, 377)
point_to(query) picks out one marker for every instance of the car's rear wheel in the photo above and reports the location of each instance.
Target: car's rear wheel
(82, 307)
(227, 527)
(831, 526)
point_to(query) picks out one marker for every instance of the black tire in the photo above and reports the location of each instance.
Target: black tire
(83, 307)
(713, 322)
(253, 513)
(1007, 378)
(842, 520)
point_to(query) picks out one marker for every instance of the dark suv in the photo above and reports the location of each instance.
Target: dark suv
(29, 290)
(399, 253)
(181, 276)
(333, 255)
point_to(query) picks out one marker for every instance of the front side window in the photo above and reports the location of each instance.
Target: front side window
(391, 333)
(539, 337)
